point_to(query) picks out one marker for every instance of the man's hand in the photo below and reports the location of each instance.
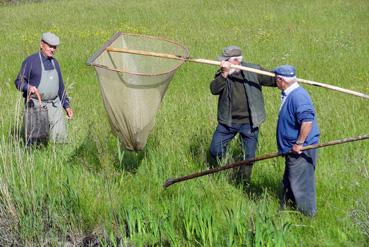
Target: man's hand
(69, 113)
(296, 148)
(32, 89)
(225, 66)
(304, 132)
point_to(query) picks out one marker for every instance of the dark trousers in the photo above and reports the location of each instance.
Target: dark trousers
(299, 181)
(224, 134)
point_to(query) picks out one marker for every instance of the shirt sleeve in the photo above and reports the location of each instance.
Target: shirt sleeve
(218, 84)
(304, 109)
(266, 80)
(22, 80)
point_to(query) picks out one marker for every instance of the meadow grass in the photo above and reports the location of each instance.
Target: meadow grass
(92, 190)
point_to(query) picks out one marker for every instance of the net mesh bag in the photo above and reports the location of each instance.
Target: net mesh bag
(132, 86)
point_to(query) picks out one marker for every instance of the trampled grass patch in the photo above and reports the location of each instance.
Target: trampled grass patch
(92, 190)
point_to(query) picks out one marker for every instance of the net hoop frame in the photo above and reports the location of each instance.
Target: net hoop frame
(91, 60)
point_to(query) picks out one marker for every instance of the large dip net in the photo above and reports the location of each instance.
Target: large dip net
(132, 86)
(134, 72)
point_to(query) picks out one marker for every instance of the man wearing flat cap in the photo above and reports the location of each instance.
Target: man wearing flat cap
(240, 107)
(40, 72)
(297, 127)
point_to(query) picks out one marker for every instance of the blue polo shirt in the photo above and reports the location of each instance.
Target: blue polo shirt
(296, 109)
(30, 74)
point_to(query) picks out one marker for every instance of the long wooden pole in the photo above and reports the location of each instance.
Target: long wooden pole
(211, 62)
(172, 181)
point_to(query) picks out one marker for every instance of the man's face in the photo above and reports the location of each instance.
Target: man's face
(279, 81)
(47, 50)
(234, 61)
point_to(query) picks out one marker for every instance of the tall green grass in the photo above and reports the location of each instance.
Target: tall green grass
(91, 190)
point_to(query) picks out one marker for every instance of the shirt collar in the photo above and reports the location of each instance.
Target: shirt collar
(291, 88)
(45, 58)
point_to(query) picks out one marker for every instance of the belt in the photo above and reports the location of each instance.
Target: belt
(52, 101)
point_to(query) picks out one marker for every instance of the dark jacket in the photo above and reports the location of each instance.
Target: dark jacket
(253, 86)
(30, 75)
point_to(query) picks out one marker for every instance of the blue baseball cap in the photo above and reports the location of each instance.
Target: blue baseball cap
(285, 70)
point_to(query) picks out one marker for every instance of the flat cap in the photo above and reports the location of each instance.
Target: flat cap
(230, 51)
(285, 70)
(50, 38)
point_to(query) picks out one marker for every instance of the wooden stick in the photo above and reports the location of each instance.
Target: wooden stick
(172, 181)
(335, 88)
(211, 62)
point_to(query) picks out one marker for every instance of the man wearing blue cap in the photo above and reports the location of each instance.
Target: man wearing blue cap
(240, 107)
(41, 73)
(297, 127)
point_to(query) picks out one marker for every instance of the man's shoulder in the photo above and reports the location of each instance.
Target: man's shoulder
(301, 90)
(300, 95)
(32, 57)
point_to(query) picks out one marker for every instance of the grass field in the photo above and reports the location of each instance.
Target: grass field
(91, 190)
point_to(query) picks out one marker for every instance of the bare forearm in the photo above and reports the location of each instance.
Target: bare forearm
(304, 131)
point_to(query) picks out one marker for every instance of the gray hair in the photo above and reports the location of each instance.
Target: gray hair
(289, 80)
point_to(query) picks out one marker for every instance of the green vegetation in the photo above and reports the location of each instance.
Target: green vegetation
(90, 190)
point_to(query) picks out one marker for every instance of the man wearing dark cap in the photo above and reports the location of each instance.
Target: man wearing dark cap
(41, 73)
(240, 107)
(297, 127)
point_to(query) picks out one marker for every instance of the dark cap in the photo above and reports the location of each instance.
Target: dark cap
(230, 51)
(285, 70)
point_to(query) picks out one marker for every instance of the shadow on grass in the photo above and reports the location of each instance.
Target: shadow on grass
(267, 178)
(128, 160)
(256, 189)
(199, 150)
(94, 154)
(87, 154)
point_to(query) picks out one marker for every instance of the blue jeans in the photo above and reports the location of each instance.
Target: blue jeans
(224, 134)
(249, 139)
(299, 181)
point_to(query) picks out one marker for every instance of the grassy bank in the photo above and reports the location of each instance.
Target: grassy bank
(91, 190)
